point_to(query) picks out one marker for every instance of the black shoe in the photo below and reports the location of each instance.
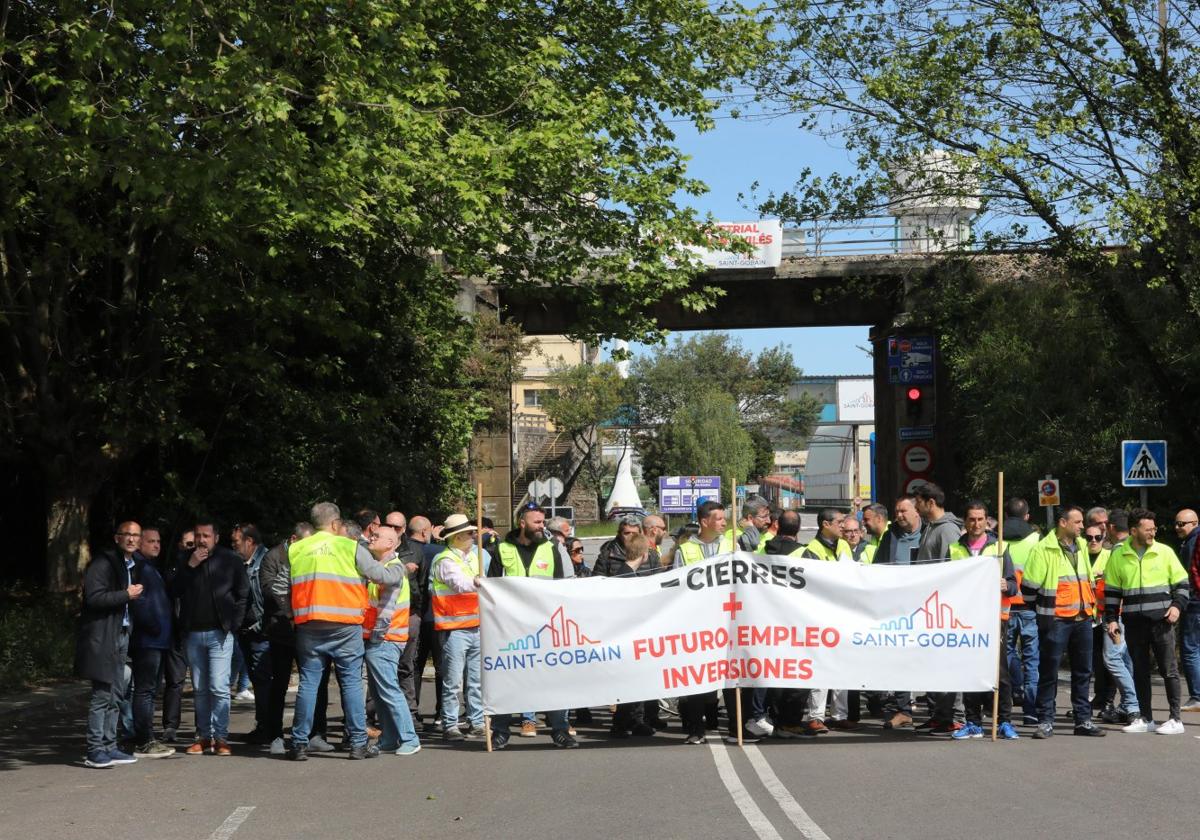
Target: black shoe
(365, 751)
(434, 725)
(563, 739)
(619, 733)
(641, 730)
(499, 740)
(257, 736)
(1044, 731)
(1090, 729)
(169, 736)
(298, 754)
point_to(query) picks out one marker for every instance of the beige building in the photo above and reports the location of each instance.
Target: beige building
(528, 393)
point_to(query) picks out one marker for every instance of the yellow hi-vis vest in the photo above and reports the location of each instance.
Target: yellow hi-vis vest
(822, 552)
(693, 552)
(542, 564)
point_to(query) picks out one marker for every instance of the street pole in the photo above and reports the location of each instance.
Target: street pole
(1144, 497)
(1049, 511)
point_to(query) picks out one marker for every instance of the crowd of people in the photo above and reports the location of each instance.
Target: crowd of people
(386, 595)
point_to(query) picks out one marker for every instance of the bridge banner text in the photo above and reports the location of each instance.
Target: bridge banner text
(739, 620)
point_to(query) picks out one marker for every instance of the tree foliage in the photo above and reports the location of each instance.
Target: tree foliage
(583, 400)
(205, 205)
(704, 437)
(1076, 127)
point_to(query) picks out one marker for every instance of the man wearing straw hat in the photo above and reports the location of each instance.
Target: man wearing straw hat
(454, 588)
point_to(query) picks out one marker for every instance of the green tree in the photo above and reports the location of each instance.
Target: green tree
(584, 402)
(666, 380)
(1075, 125)
(705, 437)
(203, 204)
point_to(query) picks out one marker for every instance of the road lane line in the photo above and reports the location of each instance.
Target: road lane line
(741, 797)
(232, 823)
(787, 802)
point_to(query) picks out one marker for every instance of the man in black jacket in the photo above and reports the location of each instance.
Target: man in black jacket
(213, 589)
(411, 554)
(610, 561)
(103, 642)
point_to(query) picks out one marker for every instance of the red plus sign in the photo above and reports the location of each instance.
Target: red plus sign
(732, 606)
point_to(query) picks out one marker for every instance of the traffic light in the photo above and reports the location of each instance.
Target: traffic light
(918, 405)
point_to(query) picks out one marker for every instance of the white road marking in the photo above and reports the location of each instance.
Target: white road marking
(741, 797)
(232, 823)
(787, 802)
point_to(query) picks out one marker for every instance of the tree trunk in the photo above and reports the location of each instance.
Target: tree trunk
(67, 550)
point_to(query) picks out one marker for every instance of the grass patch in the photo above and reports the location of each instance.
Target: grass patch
(37, 637)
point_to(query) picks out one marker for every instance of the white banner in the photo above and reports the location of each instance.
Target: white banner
(765, 235)
(739, 620)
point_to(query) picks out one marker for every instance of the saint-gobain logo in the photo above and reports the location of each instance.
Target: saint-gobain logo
(933, 624)
(557, 642)
(558, 632)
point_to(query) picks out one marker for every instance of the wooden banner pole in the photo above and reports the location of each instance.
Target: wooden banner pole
(487, 721)
(1000, 622)
(737, 692)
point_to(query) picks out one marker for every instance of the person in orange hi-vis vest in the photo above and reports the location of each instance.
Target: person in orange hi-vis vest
(328, 578)
(454, 588)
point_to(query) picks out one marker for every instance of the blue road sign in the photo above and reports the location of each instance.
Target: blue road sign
(681, 493)
(911, 359)
(1144, 463)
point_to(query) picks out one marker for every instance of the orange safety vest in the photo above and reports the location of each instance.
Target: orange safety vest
(326, 585)
(388, 606)
(454, 610)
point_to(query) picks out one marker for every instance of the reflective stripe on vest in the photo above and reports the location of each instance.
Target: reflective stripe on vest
(387, 609)
(326, 585)
(693, 551)
(1143, 585)
(958, 551)
(1064, 588)
(542, 564)
(455, 610)
(1098, 566)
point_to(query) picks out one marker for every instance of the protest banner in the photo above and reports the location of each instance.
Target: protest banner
(739, 620)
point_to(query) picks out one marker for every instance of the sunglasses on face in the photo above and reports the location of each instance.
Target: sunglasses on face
(1095, 537)
(1183, 524)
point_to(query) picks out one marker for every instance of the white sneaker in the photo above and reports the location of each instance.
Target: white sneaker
(245, 696)
(762, 727)
(278, 747)
(1139, 725)
(1174, 726)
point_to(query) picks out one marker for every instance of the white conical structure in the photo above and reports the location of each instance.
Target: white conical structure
(624, 494)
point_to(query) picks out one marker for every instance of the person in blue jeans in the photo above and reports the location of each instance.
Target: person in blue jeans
(103, 642)
(386, 634)
(212, 588)
(1189, 623)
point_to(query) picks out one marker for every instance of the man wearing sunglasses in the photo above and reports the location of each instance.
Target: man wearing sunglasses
(1189, 622)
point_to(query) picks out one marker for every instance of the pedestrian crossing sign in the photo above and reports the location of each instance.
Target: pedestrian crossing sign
(1144, 463)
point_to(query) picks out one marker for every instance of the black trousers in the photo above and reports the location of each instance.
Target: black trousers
(692, 709)
(282, 658)
(174, 666)
(979, 702)
(429, 645)
(629, 715)
(1143, 637)
(409, 678)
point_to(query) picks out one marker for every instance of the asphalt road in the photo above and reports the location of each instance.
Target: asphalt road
(865, 784)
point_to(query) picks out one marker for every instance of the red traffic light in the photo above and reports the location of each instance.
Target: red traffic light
(914, 394)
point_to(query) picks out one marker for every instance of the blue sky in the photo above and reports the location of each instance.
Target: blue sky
(732, 157)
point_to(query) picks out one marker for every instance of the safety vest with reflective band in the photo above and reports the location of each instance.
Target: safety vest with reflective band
(1018, 552)
(1098, 566)
(1143, 586)
(959, 551)
(1058, 586)
(387, 610)
(693, 551)
(326, 585)
(823, 552)
(761, 548)
(542, 564)
(455, 610)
